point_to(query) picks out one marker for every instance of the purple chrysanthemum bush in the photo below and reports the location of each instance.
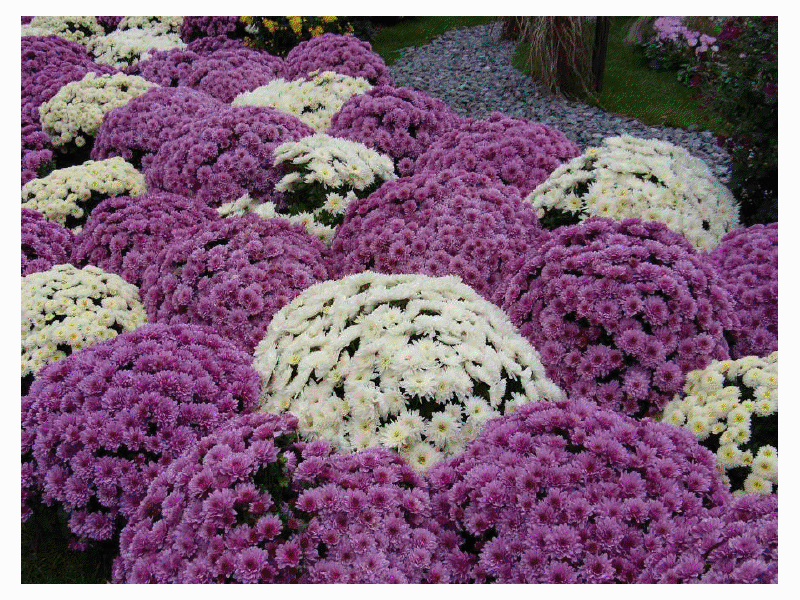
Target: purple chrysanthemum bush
(446, 223)
(516, 152)
(343, 54)
(44, 244)
(399, 122)
(746, 261)
(620, 311)
(194, 28)
(98, 426)
(233, 274)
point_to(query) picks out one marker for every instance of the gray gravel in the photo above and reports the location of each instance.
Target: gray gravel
(471, 70)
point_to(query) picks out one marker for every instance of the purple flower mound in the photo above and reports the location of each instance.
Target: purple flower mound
(516, 152)
(399, 122)
(343, 54)
(746, 261)
(230, 511)
(222, 156)
(447, 223)
(109, 23)
(620, 312)
(124, 235)
(223, 74)
(137, 130)
(44, 244)
(568, 492)
(193, 28)
(233, 274)
(209, 45)
(36, 151)
(736, 544)
(100, 424)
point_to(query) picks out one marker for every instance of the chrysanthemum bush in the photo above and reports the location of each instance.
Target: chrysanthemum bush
(233, 274)
(652, 180)
(68, 196)
(125, 234)
(343, 54)
(66, 308)
(279, 35)
(157, 24)
(223, 155)
(248, 504)
(314, 101)
(137, 130)
(198, 28)
(400, 122)
(731, 407)
(733, 545)
(746, 261)
(109, 23)
(620, 312)
(75, 29)
(44, 244)
(122, 48)
(72, 117)
(408, 362)
(447, 223)
(98, 426)
(569, 492)
(516, 152)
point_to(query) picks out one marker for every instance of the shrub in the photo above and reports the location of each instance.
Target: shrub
(568, 492)
(109, 24)
(399, 122)
(124, 234)
(652, 180)
(674, 46)
(343, 54)
(223, 155)
(516, 152)
(73, 29)
(278, 35)
(36, 153)
(122, 48)
(233, 274)
(99, 425)
(407, 362)
(746, 261)
(160, 24)
(44, 244)
(731, 407)
(620, 312)
(446, 223)
(198, 28)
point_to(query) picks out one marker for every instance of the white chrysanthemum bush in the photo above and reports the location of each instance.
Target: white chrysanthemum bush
(122, 48)
(66, 308)
(75, 29)
(68, 196)
(412, 363)
(652, 180)
(313, 101)
(159, 24)
(732, 409)
(74, 114)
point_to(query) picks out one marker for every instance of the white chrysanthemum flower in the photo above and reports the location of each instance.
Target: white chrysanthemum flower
(122, 48)
(66, 196)
(159, 24)
(74, 29)
(733, 410)
(424, 353)
(649, 179)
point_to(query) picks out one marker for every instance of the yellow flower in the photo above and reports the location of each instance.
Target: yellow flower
(328, 19)
(296, 23)
(318, 30)
(269, 24)
(247, 20)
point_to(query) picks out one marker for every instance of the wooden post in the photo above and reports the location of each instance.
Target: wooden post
(601, 28)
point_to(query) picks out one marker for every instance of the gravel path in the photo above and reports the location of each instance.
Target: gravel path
(471, 70)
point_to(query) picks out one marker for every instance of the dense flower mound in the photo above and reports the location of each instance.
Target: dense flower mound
(66, 308)
(407, 362)
(109, 23)
(68, 196)
(233, 274)
(40, 51)
(223, 73)
(314, 101)
(652, 180)
(122, 48)
(74, 29)
(222, 156)
(36, 155)
(446, 223)
(73, 116)
(208, 45)
(569, 492)
(737, 544)
(746, 261)
(99, 425)
(731, 407)
(124, 235)
(516, 152)
(159, 24)
(137, 130)
(343, 54)
(44, 244)
(193, 28)
(620, 312)
(400, 122)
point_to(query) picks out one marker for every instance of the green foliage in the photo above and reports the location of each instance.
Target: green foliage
(278, 35)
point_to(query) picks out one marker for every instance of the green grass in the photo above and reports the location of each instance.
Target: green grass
(633, 89)
(418, 31)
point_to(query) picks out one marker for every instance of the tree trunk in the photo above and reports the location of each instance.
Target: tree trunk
(602, 26)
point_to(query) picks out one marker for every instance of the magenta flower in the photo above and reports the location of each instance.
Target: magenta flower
(343, 54)
(193, 28)
(44, 244)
